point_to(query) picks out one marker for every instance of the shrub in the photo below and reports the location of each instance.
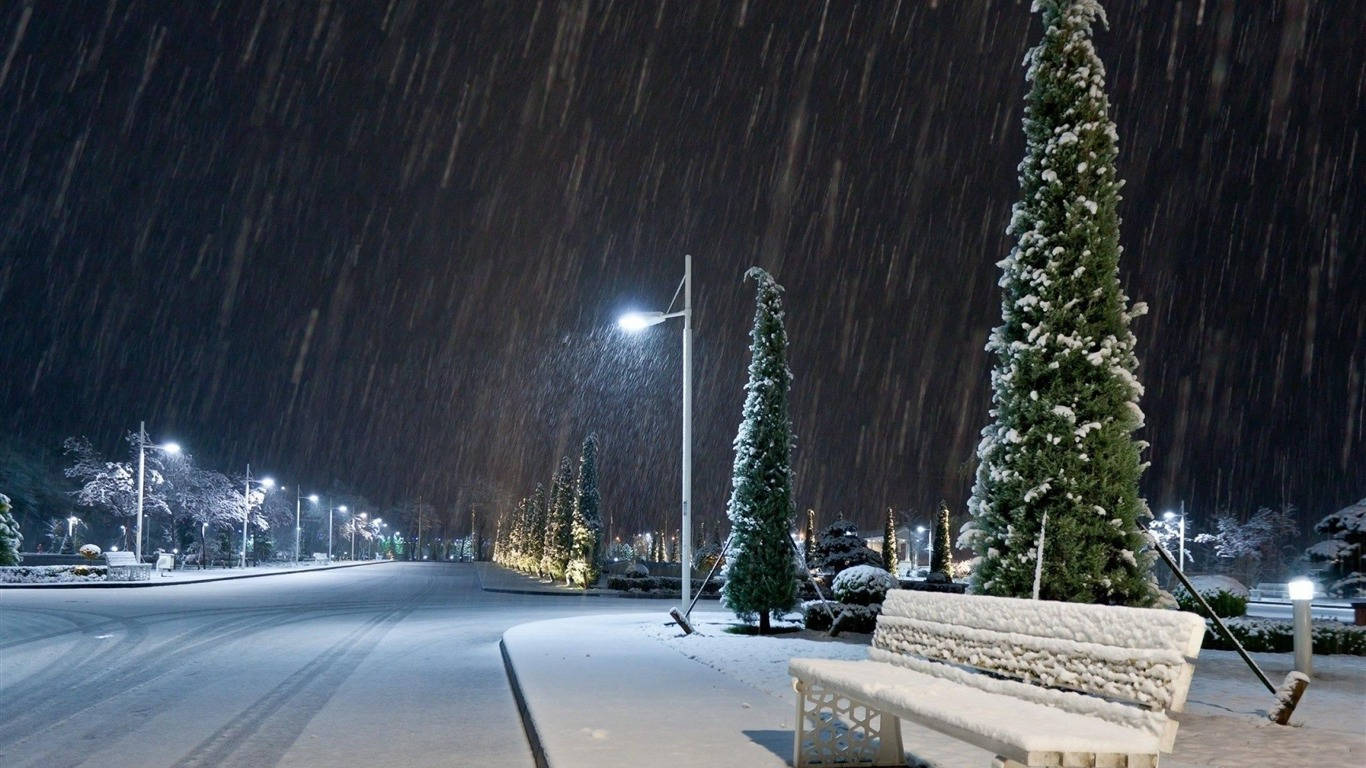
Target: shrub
(636, 571)
(863, 585)
(1275, 636)
(89, 551)
(1225, 604)
(856, 618)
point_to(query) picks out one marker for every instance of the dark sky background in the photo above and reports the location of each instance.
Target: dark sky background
(381, 244)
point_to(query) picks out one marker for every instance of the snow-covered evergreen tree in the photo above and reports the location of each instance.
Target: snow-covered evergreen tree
(761, 576)
(839, 546)
(534, 531)
(10, 537)
(889, 542)
(1065, 395)
(584, 566)
(809, 538)
(941, 556)
(559, 524)
(1344, 555)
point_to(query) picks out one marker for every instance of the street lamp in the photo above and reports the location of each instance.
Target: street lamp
(168, 448)
(266, 484)
(298, 503)
(915, 561)
(71, 530)
(330, 510)
(1181, 536)
(361, 516)
(639, 321)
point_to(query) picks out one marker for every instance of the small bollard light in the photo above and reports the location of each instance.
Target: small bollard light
(1301, 592)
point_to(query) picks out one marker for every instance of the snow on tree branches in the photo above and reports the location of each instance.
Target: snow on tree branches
(585, 563)
(1064, 390)
(762, 575)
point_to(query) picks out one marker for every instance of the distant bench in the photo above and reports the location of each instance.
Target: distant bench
(319, 558)
(1037, 683)
(123, 566)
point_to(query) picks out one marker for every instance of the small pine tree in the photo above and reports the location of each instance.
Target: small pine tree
(889, 543)
(559, 525)
(762, 578)
(941, 557)
(10, 537)
(535, 531)
(587, 528)
(1343, 557)
(1064, 391)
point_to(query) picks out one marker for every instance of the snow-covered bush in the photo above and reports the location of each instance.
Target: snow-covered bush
(856, 618)
(838, 546)
(89, 551)
(1278, 636)
(579, 574)
(863, 585)
(48, 574)
(1226, 595)
(636, 571)
(1342, 557)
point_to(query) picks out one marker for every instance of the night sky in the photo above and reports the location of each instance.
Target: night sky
(381, 244)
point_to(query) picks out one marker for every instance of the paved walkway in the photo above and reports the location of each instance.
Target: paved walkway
(192, 575)
(630, 689)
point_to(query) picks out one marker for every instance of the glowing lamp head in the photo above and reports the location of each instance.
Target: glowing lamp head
(1300, 589)
(342, 508)
(313, 497)
(639, 321)
(920, 529)
(1168, 515)
(171, 448)
(267, 482)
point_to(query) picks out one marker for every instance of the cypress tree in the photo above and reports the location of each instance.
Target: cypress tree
(941, 556)
(762, 577)
(10, 537)
(535, 531)
(584, 567)
(1064, 391)
(559, 524)
(889, 543)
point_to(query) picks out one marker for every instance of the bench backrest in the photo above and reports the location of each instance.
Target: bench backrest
(1132, 655)
(120, 558)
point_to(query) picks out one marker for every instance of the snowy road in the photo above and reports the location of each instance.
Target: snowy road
(395, 664)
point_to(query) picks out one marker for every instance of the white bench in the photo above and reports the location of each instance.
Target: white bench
(165, 563)
(1037, 683)
(319, 558)
(123, 566)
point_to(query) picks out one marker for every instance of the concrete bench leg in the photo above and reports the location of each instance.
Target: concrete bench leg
(832, 729)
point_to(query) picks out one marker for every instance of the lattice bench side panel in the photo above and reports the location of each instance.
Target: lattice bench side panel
(834, 729)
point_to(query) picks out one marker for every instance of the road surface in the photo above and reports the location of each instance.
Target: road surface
(392, 664)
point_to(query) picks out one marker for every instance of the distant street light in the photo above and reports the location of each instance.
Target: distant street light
(639, 321)
(1181, 536)
(313, 497)
(168, 448)
(266, 484)
(71, 530)
(919, 535)
(330, 510)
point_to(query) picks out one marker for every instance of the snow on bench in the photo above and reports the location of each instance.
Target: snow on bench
(123, 566)
(1039, 683)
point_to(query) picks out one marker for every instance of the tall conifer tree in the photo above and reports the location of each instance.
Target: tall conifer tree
(1064, 390)
(941, 555)
(889, 542)
(587, 524)
(761, 577)
(559, 524)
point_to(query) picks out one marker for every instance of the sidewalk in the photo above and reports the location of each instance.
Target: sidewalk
(631, 689)
(194, 576)
(496, 578)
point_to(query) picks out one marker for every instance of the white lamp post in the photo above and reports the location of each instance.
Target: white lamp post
(298, 504)
(915, 561)
(1181, 536)
(638, 321)
(170, 448)
(266, 484)
(342, 508)
(1301, 594)
(71, 531)
(361, 516)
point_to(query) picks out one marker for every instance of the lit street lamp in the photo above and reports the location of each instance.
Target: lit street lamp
(639, 321)
(169, 448)
(330, 510)
(1181, 536)
(298, 503)
(266, 484)
(919, 536)
(71, 530)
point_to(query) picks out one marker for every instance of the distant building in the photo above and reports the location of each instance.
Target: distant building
(905, 543)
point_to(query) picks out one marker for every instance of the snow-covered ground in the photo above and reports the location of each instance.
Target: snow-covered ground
(1224, 723)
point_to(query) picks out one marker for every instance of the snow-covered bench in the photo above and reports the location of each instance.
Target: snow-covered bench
(1038, 683)
(319, 558)
(123, 566)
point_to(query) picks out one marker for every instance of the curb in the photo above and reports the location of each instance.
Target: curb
(153, 583)
(597, 593)
(528, 725)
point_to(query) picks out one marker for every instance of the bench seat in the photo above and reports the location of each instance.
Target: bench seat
(1024, 731)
